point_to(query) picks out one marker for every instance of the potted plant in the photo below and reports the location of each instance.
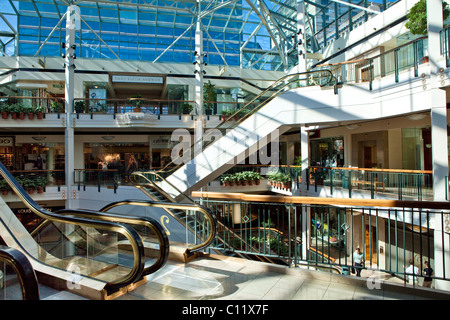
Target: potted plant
(4, 109)
(56, 106)
(231, 180)
(39, 110)
(4, 187)
(14, 110)
(209, 96)
(224, 115)
(136, 101)
(29, 110)
(224, 179)
(254, 177)
(186, 108)
(41, 182)
(80, 106)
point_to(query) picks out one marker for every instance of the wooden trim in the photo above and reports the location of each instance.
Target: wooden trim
(375, 169)
(324, 201)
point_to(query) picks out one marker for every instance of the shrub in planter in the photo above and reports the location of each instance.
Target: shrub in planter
(186, 108)
(41, 182)
(39, 110)
(4, 110)
(4, 187)
(225, 179)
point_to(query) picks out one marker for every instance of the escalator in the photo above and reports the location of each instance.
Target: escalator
(92, 254)
(195, 227)
(231, 141)
(181, 204)
(17, 277)
(204, 160)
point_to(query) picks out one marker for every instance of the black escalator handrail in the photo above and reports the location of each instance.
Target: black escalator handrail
(285, 84)
(135, 273)
(24, 270)
(131, 220)
(180, 206)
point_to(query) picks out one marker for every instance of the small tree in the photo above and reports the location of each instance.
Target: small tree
(417, 17)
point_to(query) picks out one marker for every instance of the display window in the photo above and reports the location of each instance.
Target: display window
(124, 157)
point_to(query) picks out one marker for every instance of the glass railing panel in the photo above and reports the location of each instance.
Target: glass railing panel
(92, 252)
(10, 286)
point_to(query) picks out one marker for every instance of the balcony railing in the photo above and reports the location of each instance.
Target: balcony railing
(324, 232)
(114, 106)
(19, 107)
(392, 62)
(401, 184)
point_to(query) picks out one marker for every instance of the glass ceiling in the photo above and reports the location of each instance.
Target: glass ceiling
(252, 34)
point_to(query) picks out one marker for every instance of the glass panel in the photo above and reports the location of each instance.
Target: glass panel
(10, 286)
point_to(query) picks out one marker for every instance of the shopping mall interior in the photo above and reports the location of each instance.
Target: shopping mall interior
(224, 150)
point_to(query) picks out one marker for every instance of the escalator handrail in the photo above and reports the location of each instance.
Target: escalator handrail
(130, 220)
(172, 205)
(135, 273)
(259, 106)
(24, 270)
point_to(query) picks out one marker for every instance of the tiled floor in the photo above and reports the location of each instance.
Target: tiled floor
(237, 279)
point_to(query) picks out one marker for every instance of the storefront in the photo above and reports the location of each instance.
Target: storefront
(327, 152)
(123, 157)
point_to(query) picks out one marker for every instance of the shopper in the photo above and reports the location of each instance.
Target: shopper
(428, 272)
(412, 271)
(358, 259)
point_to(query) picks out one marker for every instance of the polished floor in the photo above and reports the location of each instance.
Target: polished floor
(208, 278)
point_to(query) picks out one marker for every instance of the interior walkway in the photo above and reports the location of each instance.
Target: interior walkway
(208, 278)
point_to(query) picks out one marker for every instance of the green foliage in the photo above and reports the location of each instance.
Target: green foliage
(56, 106)
(186, 108)
(80, 106)
(240, 176)
(209, 94)
(417, 17)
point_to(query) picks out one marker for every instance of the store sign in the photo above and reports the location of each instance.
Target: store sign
(162, 142)
(137, 79)
(6, 141)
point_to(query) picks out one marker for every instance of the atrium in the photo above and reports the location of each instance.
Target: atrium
(143, 141)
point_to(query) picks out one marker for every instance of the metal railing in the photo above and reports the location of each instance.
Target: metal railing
(19, 106)
(402, 184)
(326, 232)
(149, 106)
(392, 62)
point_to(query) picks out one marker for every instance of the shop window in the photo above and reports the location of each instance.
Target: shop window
(116, 156)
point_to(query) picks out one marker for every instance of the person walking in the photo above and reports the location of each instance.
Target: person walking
(412, 271)
(428, 272)
(358, 260)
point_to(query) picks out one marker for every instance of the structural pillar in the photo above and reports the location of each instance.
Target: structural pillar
(301, 43)
(439, 151)
(72, 22)
(199, 62)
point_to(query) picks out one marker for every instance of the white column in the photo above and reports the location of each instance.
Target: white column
(71, 23)
(439, 149)
(304, 146)
(301, 48)
(198, 129)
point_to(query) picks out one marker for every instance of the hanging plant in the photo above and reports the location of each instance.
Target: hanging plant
(417, 17)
